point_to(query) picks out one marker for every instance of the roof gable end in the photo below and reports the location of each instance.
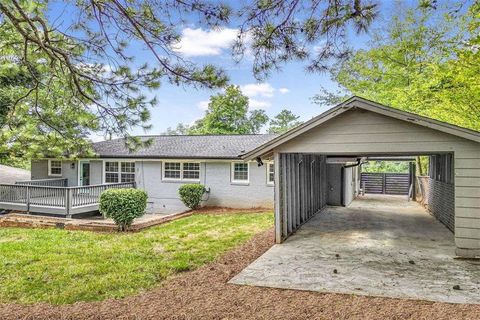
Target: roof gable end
(365, 104)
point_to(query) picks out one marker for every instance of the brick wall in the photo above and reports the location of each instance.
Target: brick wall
(441, 202)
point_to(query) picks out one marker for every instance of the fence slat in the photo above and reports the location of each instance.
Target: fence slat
(385, 183)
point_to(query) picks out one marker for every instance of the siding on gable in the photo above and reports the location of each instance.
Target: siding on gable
(367, 133)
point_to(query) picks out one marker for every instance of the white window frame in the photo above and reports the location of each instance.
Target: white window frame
(181, 171)
(119, 172)
(268, 165)
(50, 174)
(232, 173)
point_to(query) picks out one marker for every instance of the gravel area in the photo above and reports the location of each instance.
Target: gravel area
(205, 294)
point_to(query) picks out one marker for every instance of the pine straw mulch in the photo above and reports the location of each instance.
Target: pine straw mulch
(205, 294)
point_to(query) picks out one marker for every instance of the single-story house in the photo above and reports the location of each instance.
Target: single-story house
(313, 165)
(169, 162)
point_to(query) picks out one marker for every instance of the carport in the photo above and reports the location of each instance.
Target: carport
(379, 245)
(306, 157)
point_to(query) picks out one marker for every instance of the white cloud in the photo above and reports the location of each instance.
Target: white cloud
(199, 42)
(283, 90)
(258, 104)
(203, 105)
(258, 90)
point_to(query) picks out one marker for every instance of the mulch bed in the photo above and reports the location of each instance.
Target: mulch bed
(205, 294)
(21, 220)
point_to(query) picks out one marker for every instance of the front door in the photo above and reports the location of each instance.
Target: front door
(84, 173)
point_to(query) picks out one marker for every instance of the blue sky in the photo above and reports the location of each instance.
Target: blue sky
(292, 88)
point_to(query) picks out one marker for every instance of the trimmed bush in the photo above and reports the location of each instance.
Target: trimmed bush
(123, 205)
(191, 194)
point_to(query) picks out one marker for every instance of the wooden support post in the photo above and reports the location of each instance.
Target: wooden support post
(68, 202)
(278, 197)
(384, 183)
(28, 199)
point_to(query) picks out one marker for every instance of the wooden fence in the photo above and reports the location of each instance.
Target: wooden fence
(385, 183)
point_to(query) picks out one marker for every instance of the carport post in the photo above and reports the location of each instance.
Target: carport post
(277, 198)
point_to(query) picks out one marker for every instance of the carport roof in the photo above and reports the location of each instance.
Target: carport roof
(362, 103)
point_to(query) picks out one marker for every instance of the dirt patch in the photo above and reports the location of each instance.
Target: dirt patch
(20, 220)
(205, 294)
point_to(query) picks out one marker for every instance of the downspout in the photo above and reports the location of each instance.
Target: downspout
(342, 177)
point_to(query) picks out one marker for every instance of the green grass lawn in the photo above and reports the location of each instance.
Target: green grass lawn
(59, 266)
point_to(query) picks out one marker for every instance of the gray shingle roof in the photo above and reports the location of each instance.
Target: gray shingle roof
(12, 175)
(185, 147)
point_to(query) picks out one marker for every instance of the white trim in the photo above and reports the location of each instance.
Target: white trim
(267, 166)
(119, 172)
(232, 173)
(49, 173)
(181, 179)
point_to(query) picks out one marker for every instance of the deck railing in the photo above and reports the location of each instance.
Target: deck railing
(55, 197)
(56, 182)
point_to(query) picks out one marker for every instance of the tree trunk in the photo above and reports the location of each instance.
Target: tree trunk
(419, 166)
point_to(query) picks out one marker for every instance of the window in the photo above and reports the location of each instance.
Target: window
(181, 171)
(270, 173)
(191, 171)
(240, 172)
(127, 173)
(54, 167)
(172, 170)
(117, 171)
(111, 172)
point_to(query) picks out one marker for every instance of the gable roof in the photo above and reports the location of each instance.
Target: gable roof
(185, 147)
(365, 104)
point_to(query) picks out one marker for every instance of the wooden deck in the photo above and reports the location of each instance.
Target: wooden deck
(52, 197)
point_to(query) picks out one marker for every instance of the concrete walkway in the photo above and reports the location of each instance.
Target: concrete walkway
(379, 246)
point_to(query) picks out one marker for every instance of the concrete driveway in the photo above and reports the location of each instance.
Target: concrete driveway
(379, 246)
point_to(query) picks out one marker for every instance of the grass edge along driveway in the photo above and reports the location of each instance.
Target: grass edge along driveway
(60, 267)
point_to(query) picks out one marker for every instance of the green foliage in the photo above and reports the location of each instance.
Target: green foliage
(58, 84)
(63, 267)
(421, 62)
(283, 122)
(21, 163)
(123, 205)
(181, 129)
(228, 113)
(191, 194)
(386, 166)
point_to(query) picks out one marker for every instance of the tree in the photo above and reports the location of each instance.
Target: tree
(181, 129)
(227, 113)
(283, 122)
(88, 67)
(37, 117)
(420, 63)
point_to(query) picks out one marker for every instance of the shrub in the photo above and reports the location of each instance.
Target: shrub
(123, 205)
(191, 194)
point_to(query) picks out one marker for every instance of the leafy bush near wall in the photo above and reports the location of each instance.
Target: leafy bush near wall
(123, 205)
(191, 194)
